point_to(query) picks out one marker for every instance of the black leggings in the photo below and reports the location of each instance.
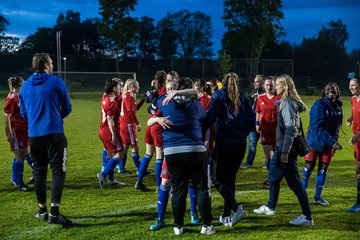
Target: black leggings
(226, 160)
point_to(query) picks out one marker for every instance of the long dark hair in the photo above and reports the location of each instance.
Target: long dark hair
(110, 84)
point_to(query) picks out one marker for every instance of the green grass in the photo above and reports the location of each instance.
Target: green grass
(125, 213)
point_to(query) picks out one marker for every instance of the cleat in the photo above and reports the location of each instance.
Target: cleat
(225, 221)
(264, 210)
(238, 215)
(208, 230)
(123, 171)
(178, 230)
(101, 179)
(321, 201)
(116, 183)
(157, 224)
(23, 188)
(139, 185)
(355, 208)
(42, 216)
(302, 221)
(194, 218)
(61, 220)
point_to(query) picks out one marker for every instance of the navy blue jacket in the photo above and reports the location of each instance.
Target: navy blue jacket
(229, 127)
(325, 120)
(186, 115)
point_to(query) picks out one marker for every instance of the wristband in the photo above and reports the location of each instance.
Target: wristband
(257, 123)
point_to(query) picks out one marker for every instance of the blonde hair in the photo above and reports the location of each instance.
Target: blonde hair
(231, 80)
(289, 89)
(129, 85)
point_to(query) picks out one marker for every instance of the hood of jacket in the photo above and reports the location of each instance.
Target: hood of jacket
(39, 78)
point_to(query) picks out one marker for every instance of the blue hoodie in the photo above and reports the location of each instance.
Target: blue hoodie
(44, 102)
(325, 120)
(185, 135)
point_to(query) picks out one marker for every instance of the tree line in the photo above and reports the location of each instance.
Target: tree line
(253, 31)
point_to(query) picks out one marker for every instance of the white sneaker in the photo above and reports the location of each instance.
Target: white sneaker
(225, 221)
(238, 215)
(264, 210)
(178, 231)
(301, 220)
(208, 230)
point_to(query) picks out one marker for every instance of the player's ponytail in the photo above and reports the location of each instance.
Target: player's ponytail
(15, 82)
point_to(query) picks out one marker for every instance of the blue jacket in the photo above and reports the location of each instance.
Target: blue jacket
(44, 102)
(229, 127)
(187, 116)
(325, 120)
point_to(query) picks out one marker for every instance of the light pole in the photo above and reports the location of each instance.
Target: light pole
(64, 58)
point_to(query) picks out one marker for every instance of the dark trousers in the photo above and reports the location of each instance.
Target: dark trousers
(50, 149)
(182, 168)
(290, 171)
(226, 160)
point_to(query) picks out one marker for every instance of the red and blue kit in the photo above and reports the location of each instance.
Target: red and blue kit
(109, 107)
(165, 171)
(153, 133)
(19, 125)
(205, 101)
(267, 109)
(208, 134)
(355, 106)
(128, 119)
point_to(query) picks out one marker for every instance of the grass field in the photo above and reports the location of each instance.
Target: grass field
(126, 213)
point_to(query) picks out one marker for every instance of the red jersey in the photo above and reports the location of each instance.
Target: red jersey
(205, 101)
(109, 107)
(12, 106)
(355, 110)
(267, 109)
(128, 109)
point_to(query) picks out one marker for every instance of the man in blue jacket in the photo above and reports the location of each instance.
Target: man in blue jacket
(44, 103)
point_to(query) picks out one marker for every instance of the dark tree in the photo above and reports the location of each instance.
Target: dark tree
(250, 25)
(117, 26)
(194, 30)
(167, 38)
(147, 37)
(43, 40)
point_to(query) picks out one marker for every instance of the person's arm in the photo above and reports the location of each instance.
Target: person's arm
(8, 130)
(22, 107)
(129, 104)
(257, 122)
(289, 116)
(318, 123)
(184, 92)
(65, 104)
(162, 121)
(111, 124)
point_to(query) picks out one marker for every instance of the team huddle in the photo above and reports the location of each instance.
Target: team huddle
(198, 133)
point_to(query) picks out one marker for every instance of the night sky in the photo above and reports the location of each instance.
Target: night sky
(302, 18)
